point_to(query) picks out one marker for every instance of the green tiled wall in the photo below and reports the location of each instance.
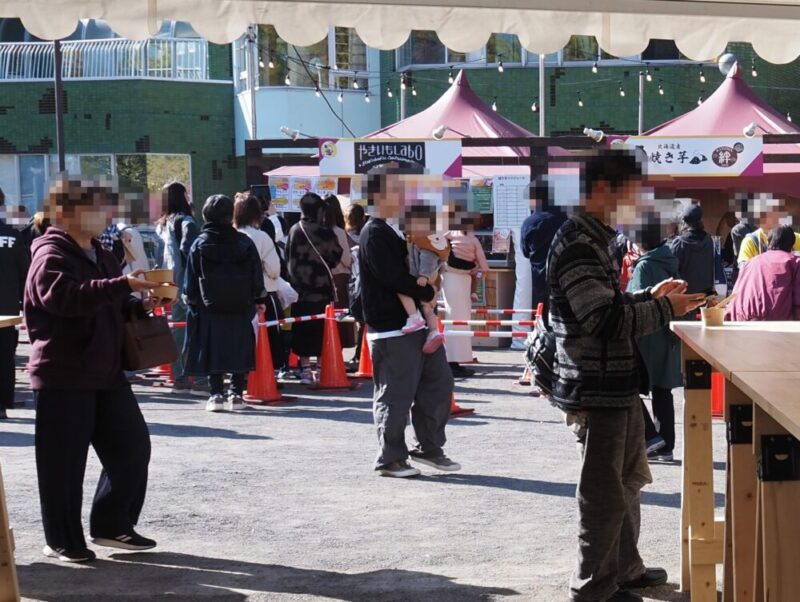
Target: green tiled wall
(604, 108)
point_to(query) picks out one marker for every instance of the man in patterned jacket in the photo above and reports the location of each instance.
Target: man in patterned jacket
(598, 379)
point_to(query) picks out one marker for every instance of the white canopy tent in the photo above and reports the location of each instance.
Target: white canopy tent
(701, 28)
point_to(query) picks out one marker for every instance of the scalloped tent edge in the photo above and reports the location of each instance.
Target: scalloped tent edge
(701, 28)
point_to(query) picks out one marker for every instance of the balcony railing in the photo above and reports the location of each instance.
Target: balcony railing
(163, 58)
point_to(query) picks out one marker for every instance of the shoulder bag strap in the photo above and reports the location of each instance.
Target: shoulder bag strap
(322, 261)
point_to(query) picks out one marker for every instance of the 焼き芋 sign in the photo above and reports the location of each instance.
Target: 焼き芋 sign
(701, 156)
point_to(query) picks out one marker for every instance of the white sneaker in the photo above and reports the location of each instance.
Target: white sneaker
(215, 403)
(307, 377)
(414, 323)
(234, 402)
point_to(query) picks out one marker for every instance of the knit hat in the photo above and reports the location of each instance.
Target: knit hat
(692, 214)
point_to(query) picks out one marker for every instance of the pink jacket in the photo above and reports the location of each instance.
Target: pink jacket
(467, 247)
(768, 288)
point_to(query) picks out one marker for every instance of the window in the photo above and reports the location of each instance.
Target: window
(84, 165)
(9, 180)
(662, 50)
(580, 49)
(32, 181)
(503, 47)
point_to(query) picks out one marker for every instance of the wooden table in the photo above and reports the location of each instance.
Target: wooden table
(756, 539)
(9, 587)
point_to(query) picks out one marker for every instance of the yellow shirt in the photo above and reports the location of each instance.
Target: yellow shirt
(750, 249)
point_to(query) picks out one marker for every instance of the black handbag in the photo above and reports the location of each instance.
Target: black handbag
(541, 353)
(147, 343)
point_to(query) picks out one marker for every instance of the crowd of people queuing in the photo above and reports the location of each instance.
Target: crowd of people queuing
(609, 296)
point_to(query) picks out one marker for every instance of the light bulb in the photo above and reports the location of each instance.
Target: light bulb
(594, 67)
(413, 90)
(580, 101)
(450, 78)
(340, 98)
(535, 106)
(660, 89)
(389, 92)
(403, 83)
(261, 63)
(702, 77)
(648, 76)
(622, 91)
(318, 92)
(753, 71)
(287, 81)
(355, 81)
(789, 117)
(699, 100)
(500, 67)
(367, 98)
(271, 64)
(494, 105)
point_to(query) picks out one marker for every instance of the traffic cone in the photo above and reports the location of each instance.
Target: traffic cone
(457, 410)
(262, 388)
(332, 373)
(364, 360)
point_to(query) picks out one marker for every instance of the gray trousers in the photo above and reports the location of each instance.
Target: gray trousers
(405, 378)
(613, 471)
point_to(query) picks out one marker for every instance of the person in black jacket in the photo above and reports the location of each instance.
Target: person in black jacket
(404, 377)
(694, 249)
(13, 269)
(536, 234)
(224, 287)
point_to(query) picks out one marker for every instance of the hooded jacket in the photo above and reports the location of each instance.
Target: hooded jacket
(13, 269)
(660, 351)
(74, 311)
(694, 249)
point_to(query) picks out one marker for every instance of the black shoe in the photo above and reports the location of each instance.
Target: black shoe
(3, 414)
(650, 578)
(64, 555)
(460, 371)
(400, 469)
(126, 541)
(624, 596)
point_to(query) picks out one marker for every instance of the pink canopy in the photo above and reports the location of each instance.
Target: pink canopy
(727, 112)
(466, 116)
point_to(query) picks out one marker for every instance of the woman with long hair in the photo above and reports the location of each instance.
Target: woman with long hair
(334, 219)
(312, 252)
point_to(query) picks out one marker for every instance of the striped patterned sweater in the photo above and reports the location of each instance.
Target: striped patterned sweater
(593, 321)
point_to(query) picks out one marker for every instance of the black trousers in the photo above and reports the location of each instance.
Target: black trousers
(67, 422)
(217, 382)
(8, 347)
(275, 312)
(664, 412)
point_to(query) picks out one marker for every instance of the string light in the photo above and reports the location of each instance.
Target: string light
(535, 107)
(500, 67)
(261, 63)
(753, 71)
(403, 82)
(580, 100)
(450, 78)
(648, 76)
(355, 80)
(594, 67)
(318, 92)
(789, 117)
(660, 88)
(699, 100)
(367, 98)
(621, 90)
(389, 93)
(340, 98)
(287, 81)
(413, 89)
(494, 104)
(702, 77)
(271, 64)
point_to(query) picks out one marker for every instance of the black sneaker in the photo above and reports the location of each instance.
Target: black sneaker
(660, 456)
(460, 371)
(64, 555)
(439, 463)
(651, 577)
(3, 414)
(126, 541)
(400, 469)
(622, 595)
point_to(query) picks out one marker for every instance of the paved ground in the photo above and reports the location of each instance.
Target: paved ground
(281, 504)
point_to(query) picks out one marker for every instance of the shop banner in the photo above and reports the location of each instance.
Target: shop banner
(343, 157)
(703, 156)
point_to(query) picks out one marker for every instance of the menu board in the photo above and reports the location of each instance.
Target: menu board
(481, 195)
(510, 198)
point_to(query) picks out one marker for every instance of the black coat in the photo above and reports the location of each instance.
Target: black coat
(536, 234)
(13, 269)
(221, 342)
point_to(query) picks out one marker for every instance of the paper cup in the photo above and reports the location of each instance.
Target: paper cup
(712, 316)
(165, 291)
(160, 276)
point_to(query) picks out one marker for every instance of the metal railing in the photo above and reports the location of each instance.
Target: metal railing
(167, 58)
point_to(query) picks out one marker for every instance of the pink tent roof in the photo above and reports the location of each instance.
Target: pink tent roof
(730, 109)
(467, 116)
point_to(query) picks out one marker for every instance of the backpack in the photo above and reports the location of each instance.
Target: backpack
(354, 289)
(540, 352)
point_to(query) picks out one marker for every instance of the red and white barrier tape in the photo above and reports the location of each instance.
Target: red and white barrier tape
(489, 322)
(291, 320)
(502, 312)
(486, 334)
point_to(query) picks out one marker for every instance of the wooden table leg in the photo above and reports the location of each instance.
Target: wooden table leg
(705, 539)
(728, 591)
(685, 584)
(741, 501)
(9, 587)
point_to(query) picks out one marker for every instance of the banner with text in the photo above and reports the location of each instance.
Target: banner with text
(342, 157)
(689, 156)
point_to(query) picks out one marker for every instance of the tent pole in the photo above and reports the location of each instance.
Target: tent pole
(641, 102)
(542, 103)
(59, 93)
(252, 79)
(403, 85)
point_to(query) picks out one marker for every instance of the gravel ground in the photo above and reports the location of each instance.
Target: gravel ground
(281, 504)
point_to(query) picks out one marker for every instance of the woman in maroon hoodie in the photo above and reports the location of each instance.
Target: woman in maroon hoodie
(75, 302)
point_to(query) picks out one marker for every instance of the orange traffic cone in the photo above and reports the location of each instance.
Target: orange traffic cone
(457, 410)
(332, 373)
(364, 360)
(262, 388)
